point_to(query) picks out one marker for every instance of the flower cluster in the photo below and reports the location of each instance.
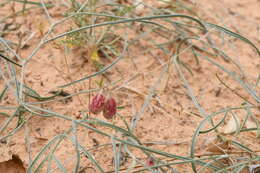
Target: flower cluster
(101, 103)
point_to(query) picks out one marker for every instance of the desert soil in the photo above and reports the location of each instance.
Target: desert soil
(167, 124)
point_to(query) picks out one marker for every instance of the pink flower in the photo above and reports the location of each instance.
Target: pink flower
(110, 108)
(150, 161)
(97, 104)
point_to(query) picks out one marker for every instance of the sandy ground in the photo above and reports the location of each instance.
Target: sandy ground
(167, 124)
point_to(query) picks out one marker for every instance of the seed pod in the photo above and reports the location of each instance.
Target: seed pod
(109, 108)
(97, 104)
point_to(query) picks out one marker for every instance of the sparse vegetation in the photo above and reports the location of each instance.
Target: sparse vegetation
(184, 101)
